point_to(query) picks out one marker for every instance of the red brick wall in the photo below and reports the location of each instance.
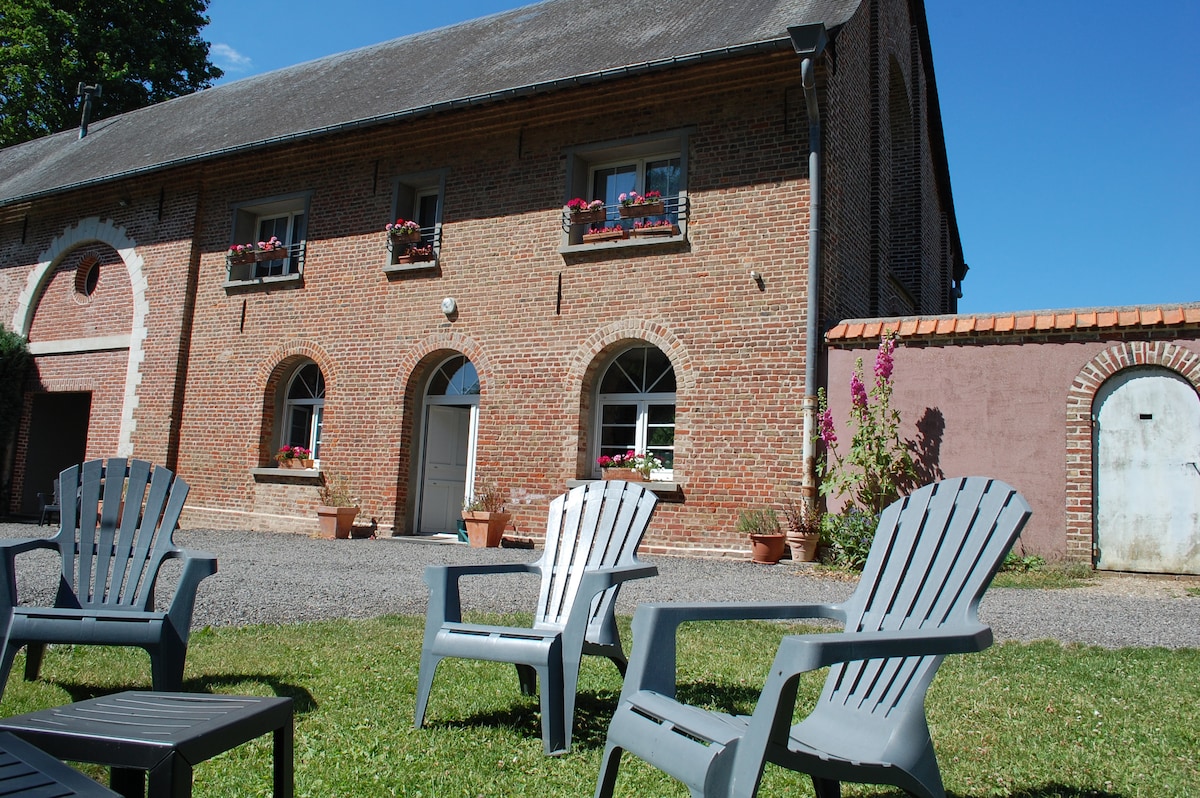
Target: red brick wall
(738, 350)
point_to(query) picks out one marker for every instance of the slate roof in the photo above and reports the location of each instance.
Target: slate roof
(541, 47)
(1025, 322)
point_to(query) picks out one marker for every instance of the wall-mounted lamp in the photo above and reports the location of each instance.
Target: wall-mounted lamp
(449, 306)
(758, 280)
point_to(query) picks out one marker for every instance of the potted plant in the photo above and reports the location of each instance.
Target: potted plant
(635, 205)
(240, 254)
(485, 518)
(415, 254)
(403, 231)
(662, 227)
(766, 539)
(271, 249)
(294, 457)
(600, 233)
(804, 530)
(631, 466)
(338, 507)
(584, 212)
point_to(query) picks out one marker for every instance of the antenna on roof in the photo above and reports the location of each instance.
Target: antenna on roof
(87, 93)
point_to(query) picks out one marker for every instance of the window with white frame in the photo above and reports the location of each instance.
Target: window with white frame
(419, 198)
(304, 406)
(281, 218)
(635, 408)
(606, 172)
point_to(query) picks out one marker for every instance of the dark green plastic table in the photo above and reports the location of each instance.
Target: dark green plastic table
(29, 772)
(159, 735)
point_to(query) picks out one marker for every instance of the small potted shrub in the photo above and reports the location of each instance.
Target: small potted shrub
(338, 507)
(767, 541)
(485, 518)
(804, 530)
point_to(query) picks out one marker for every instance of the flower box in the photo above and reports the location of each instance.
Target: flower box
(296, 462)
(640, 209)
(405, 237)
(239, 258)
(627, 474)
(271, 254)
(589, 217)
(660, 230)
(603, 235)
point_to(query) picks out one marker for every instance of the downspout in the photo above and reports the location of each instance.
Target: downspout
(809, 42)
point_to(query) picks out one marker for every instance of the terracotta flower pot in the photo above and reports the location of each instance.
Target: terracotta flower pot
(767, 549)
(336, 521)
(484, 530)
(589, 217)
(804, 547)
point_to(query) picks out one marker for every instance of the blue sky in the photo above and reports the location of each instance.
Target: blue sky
(1072, 129)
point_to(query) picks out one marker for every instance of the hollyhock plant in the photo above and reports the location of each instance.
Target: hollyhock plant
(877, 466)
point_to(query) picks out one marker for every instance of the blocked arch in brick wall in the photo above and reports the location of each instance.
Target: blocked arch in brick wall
(1080, 449)
(274, 370)
(88, 231)
(593, 354)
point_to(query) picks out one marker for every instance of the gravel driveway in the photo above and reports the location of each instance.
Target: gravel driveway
(281, 578)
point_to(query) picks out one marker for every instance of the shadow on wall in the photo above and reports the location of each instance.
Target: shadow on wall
(926, 449)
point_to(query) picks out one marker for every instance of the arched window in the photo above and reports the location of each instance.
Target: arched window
(455, 377)
(305, 405)
(635, 408)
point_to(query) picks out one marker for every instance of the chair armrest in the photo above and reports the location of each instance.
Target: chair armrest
(197, 566)
(445, 604)
(656, 626)
(592, 584)
(9, 549)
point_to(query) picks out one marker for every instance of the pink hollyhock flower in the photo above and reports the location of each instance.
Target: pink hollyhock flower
(883, 360)
(827, 433)
(858, 392)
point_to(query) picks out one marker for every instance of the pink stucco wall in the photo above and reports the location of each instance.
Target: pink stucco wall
(997, 407)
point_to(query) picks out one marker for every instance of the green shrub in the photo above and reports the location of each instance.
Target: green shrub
(848, 537)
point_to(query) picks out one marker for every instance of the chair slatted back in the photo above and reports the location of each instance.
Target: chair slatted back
(115, 537)
(934, 554)
(597, 525)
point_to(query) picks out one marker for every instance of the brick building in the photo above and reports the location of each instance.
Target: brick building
(509, 350)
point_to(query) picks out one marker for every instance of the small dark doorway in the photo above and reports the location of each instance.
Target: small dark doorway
(58, 427)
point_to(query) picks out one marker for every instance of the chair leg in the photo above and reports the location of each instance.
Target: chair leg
(6, 663)
(166, 669)
(527, 676)
(556, 724)
(34, 652)
(429, 663)
(827, 788)
(610, 763)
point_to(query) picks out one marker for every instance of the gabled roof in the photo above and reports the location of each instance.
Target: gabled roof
(548, 45)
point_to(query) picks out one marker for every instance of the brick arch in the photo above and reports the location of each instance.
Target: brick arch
(88, 231)
(271, 370)
(445, 342)
(1080, 401)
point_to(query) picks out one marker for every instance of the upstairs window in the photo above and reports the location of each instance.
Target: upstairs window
(282, 218)
(607, 173)
(418, 198)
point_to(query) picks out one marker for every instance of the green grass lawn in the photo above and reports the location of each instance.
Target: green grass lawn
(1033, 721)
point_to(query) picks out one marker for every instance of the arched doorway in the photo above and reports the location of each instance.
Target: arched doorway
(449, 420)
(1147, 456)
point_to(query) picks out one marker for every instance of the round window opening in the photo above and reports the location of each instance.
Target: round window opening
(87, 276)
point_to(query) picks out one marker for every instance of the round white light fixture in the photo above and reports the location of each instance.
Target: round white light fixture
(449, 305)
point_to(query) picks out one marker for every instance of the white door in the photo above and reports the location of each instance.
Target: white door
(1148, 473)
(444, 468)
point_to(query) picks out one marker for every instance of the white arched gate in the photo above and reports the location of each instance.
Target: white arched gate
(1147, 460)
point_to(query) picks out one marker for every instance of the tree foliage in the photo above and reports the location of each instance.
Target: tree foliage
(14, 363)
(141, 52)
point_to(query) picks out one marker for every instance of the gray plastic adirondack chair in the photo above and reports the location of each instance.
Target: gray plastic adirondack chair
(917, 600)
(112, 542)
(592, 535)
